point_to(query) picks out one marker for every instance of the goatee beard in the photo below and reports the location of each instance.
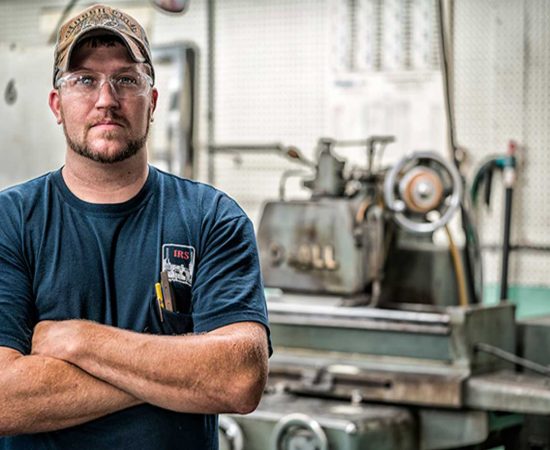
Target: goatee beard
(132, 147)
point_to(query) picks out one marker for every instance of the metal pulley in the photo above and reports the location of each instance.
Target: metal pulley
(420, 186)
(421, 189)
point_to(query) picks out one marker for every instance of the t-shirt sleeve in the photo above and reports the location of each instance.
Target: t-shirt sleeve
(228, 286)
(16, 300)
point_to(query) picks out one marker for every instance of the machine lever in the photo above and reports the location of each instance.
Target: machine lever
(319, 380)
(514, 359)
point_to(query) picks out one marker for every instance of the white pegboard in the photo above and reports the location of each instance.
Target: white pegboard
(270, 71)
(423, 35)
(408, 106)
(394, 34)
(271, 66)
(534, 204)
(502, 92)
(341, 43)
(367, 35)
(392, 88)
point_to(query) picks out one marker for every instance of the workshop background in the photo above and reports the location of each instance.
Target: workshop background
(239, 80)
(292, 71)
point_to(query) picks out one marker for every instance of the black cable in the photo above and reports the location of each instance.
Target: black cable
(518, 247)
(211, 115)
(506, 244)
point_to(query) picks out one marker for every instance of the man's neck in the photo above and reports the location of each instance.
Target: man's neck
(96, 182)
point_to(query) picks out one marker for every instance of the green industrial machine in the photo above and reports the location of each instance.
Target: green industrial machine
(380, 338)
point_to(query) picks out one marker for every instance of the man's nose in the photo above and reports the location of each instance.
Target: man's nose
(106, 95)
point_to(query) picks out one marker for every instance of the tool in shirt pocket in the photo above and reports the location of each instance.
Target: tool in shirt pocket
(170, 310)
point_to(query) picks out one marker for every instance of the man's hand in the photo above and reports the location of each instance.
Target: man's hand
(57, 339)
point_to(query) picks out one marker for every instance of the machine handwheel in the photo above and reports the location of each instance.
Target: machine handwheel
(420, 186)
(299, 427)
(231, 435)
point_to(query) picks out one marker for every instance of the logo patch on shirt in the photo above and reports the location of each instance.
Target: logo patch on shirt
(179, 262)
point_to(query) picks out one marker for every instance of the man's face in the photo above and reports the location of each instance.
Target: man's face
(104, 127)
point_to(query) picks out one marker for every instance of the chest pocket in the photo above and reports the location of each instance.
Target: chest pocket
(172, 323)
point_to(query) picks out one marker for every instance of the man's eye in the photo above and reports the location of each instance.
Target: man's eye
(127, 80)
(85, 81)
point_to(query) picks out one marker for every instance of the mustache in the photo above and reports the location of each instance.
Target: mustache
(110, 117)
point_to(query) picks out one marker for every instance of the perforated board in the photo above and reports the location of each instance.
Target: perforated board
(271, 68)
(502, 92)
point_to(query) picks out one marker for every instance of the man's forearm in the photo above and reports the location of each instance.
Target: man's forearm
(221, 371)
(40, 393)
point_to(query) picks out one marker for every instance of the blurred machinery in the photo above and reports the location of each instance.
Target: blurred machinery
(338, 242)
(381, 340)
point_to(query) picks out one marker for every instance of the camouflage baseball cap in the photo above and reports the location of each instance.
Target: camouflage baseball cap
(99, 20)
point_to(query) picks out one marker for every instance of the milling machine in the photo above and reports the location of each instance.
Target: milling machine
(380, 338)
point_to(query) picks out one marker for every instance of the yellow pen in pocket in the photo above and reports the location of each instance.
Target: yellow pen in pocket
(160, 300)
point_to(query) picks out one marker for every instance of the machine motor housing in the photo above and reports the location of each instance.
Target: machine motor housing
(319, 246)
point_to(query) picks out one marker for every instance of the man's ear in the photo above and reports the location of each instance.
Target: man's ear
(154, 98)
(55, 104)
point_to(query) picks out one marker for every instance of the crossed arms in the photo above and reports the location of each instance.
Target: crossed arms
(80, 370)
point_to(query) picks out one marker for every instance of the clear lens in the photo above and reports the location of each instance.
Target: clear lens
(88, 84)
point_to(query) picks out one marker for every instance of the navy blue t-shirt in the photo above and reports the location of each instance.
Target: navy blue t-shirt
(63, 258)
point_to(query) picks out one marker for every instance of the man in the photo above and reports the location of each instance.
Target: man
(93, 354)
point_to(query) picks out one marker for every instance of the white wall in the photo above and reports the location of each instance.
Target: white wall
(31, 142)
(502, 93)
